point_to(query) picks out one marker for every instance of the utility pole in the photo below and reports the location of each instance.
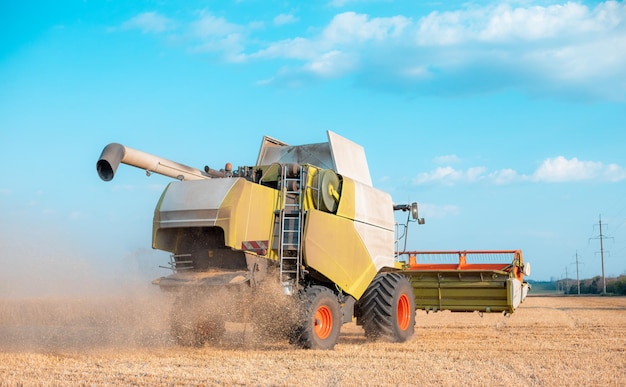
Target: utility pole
(601, 237)
(602, 255)
(577, 277)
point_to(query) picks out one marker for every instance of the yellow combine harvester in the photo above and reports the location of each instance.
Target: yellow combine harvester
(307, 218)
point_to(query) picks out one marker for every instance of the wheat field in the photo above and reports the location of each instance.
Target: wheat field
(124, 341)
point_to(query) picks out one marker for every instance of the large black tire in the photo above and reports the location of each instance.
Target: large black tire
(320, 319)
(387, 308)
(193, 323)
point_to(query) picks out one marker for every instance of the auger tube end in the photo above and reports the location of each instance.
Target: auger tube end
(109, 160)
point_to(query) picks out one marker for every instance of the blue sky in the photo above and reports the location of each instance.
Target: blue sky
(504, 120)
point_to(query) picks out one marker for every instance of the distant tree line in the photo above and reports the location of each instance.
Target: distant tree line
(593, 285)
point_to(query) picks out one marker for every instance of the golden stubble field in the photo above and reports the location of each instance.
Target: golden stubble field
(124, 341)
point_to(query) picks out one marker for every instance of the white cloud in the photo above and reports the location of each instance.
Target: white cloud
(502, 23)
(451, 176)
(148, 22)
(565, 50)
(298, 48)
(560, 169)
(283, 19)
(335, 51)
(350, 27)
(552, 170)
(440, 174)
(534, 22)
(210, 26)
(443, 28)
(504, 176)
(229, 46)
(568, 50)
(206, 33)
(216, 35)
(331, 64)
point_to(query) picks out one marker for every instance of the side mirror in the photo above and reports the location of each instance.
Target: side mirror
(414, 214)
(410, 207)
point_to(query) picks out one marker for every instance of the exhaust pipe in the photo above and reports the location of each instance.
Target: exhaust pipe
(114, 154)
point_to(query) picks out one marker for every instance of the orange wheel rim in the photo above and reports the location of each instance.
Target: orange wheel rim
(323, 324)
(404, 312)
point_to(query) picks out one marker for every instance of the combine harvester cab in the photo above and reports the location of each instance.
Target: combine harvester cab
(467, 281)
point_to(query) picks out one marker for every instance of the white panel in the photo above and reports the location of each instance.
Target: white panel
(349, 158)
(266, 145)
(374, 222)
(516, 289)
(196, 195)
(379, 244)
(373, 206)
(524, 291)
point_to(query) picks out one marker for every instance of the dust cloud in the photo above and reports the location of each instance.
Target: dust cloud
(139, 316)
(60, 292)
(235, 318)
(59, 297)
(65, 304)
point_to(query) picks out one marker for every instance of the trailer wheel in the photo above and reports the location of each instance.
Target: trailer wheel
(320, 320)
(191, 325)
(387, 308)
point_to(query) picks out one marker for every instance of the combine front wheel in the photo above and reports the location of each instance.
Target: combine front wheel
(387, 308)
(320, 320)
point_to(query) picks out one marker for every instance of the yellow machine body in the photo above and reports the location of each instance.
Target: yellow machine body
(354, 244)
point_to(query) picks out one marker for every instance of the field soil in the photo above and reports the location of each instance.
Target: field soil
(548, 341)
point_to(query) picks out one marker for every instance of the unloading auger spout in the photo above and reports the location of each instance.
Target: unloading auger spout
(114, 154)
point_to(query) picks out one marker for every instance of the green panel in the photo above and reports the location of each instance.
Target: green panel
(461, 291)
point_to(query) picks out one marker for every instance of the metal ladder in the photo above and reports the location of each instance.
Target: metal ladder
(290, 220)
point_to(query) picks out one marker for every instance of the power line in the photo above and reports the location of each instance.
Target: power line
(620, 225)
